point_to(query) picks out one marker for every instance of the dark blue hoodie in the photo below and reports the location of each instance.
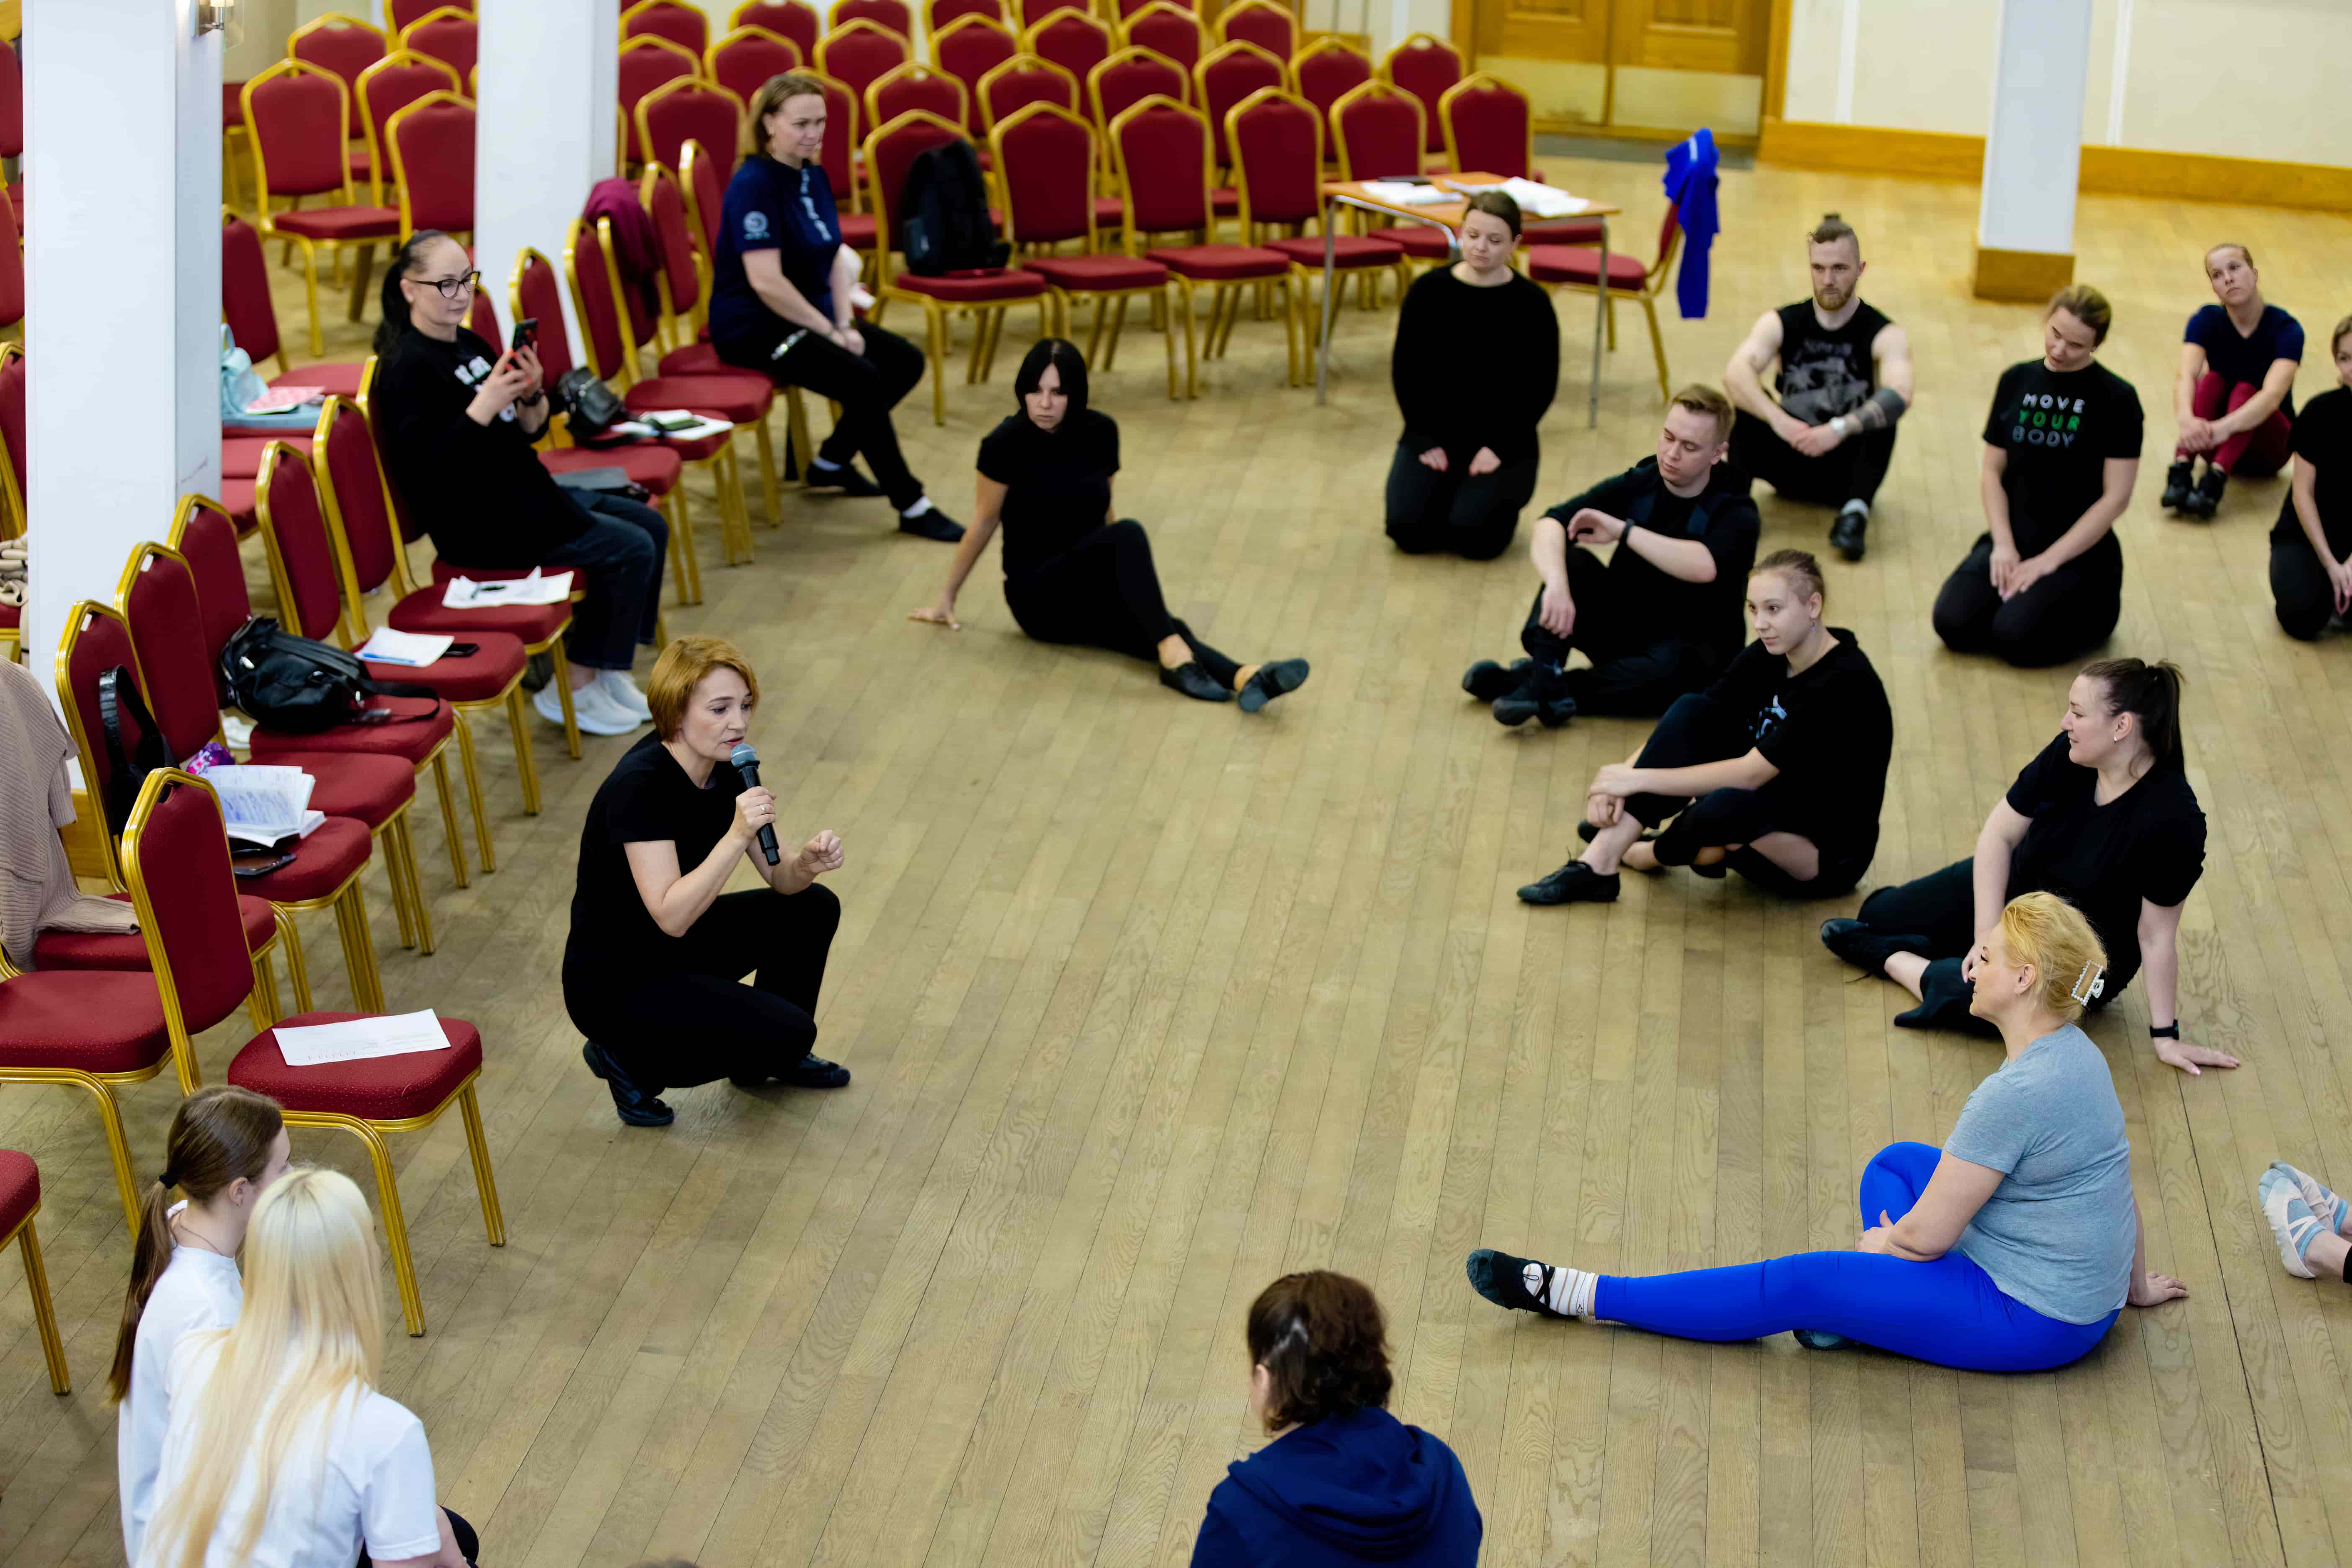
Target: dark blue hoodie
(1364, 1488)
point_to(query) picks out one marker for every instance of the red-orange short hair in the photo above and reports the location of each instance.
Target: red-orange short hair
(682, 666)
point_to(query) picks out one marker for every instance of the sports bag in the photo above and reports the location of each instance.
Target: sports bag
(285, 682)
(135, 746)
(943, 212)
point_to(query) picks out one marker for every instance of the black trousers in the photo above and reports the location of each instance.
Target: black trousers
(1941, 906)
(867, 387)
(675, 1029)
(1104, 592)
(619, 556)
(1474, 518)
(1696, 730)
(2063, 616)
(2300, 591)
(1638, 667)
(1852, 470)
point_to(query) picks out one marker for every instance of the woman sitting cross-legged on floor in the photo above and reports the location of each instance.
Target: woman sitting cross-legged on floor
(1775, 772)
(2103, 817)
(2012, 1248)
(1074, 573)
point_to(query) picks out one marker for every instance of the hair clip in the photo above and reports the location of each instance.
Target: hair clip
(2089, 984)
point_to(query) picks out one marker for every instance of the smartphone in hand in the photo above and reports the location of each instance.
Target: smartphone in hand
(526, 334)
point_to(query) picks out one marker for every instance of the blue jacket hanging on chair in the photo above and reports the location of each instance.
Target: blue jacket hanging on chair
(1690, 186)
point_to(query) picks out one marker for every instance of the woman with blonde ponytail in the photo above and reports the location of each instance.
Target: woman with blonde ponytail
(227, 1146)
(280, 1453)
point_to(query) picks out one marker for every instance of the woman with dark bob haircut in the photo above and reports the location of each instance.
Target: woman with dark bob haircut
(1343, 1481)
(1074, 570)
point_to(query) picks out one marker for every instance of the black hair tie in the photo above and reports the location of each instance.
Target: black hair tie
(166, 1181)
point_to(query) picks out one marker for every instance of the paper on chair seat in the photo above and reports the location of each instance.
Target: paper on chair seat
(386, 646)
(387, 1035)
(465, 594)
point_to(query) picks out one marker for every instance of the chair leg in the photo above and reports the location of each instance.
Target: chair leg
(486, 1183)
(451, 834)
(770, 492)
(395, 879)
(109, 1117)
(44, 1314)
(1610, 309)
(1192, 351)
(310, 288)
(740, 498)
(1657, 347)
(935, 347)
(297, 968)
(1118, 323)
(563, 693)
(396, 1223)
(360, 274)
(473, 773)
(359, 949)
(526, 763)
(686, 566)
(796, 431)
(262, 1005)
(1166, 322)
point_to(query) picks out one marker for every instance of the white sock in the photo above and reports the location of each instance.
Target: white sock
(1571, 1290)
(918, 509)
(829, 467)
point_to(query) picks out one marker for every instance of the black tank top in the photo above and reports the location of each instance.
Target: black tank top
(1824, 374)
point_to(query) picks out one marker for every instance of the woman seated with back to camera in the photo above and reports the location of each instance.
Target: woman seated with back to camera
(653, 971)
(458, 419)
(1475, 364)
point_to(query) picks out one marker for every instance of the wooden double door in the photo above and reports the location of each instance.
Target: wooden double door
(1630, 64)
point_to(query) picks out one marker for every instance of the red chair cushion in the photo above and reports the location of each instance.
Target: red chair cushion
(1098, 271)
(1570, 263)
(339, 222)
(655, 468)
(1419, 240)
(534, 624)
(738, 399)
(11, 616)
(1563, 231)
(1347, 250)
(322, 863)
(700, 358)
(477, 677)
(94, 1019)
(237, 499)
(1110, 212)
(339, 380)
(1221, 263)
(241, 455)
(20, 1190)
(379, 1088)
(1007, 283)
(345, 784)
(418, 724)
(858, 230)
(1225, 201)
(127, 951)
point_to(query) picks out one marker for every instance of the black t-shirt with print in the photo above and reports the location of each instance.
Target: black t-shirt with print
(1825, 370)
(1829, 730)
(479, 491)
(2322, 438)
(1057, 483)
(646, 797)
(2059, 430)
(1720, 517)
(2147, 842)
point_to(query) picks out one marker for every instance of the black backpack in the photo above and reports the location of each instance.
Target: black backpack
(943, 214)
(135, 746)
(285, 682)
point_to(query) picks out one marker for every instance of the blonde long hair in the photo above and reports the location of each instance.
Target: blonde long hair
(312, 1333)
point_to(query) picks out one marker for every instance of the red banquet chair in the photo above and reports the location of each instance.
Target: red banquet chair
(986, 297)
(895, 14)
(1424, 65)
(1578, 269)
(791, 19)
(1046, 161)
(703, 181)
(298, 118)
(1070, 39)
(1028, 13)
(743, 60)
(433, 164)
(1323, 71)
(20, 1200)
(1378, 131)
(400, 13)
(1168, 30)
(681, 24)
(1489, 129)
(857, 54)
(252, 314)
(1160, 150)
(684, 110)
(1021, 81)
(1129, 76)
(447, 34)
(1267, 25)
(1225, 76)
(838, 156)
(968, 48)
(1128, 8)
(347, 46)
(11, 479)
(939, 14)
(646, 63)
(386, 87)
(917, 86)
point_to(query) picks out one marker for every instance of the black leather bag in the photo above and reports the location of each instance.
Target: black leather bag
(593, 406)
(135, 746)
(285, 682)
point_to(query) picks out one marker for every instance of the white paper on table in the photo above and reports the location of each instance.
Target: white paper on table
(1398, 193)
(389, 1035)
(465, 594)
(1535, 200)
(386, 646)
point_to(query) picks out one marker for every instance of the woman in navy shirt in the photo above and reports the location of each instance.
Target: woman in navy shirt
(2234, 396)
(781, 290)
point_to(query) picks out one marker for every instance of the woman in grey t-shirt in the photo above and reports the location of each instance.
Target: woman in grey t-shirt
(2012, 1248)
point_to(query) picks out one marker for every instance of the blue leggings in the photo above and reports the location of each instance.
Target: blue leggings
(1948, 1311)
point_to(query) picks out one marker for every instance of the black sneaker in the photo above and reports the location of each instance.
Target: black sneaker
(1846, 533)
(1190, 679)
(932, 524)
(1865, 949)
(1502, 1279)
(1574, 883)
(632, 1101)
(2177, 481)
(2205, 500)
(815, 1072)
(1541, 695)
(844, 480)
(1486, 680)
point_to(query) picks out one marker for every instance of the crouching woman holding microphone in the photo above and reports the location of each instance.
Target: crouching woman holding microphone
(653, 971)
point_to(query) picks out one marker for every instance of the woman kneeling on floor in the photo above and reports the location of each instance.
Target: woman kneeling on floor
(2012, 1248)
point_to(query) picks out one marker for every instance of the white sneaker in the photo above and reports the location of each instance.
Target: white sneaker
(594, 715)
(617, 684)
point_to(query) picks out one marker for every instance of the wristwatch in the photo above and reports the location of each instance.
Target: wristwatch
(1841, 426)
(2165, 1032)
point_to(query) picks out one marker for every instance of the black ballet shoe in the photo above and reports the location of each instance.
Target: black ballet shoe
(2177, 481)
(844, 480)
(1486, 680)
(1269, 681)
(1865, 949)
(2203, 502)
(1190, 679)
(633, 1102)
(1574, 883)
(1542, 695)
(1848, 533)
(1936, 1001)
(1714, 873)
(813, 1071)
(932, 524)
(1502, 1279)
(1587, 832)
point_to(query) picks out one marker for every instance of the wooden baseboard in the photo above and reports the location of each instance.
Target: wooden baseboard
(1632, 132)
(2026, 276)
(2105, 171)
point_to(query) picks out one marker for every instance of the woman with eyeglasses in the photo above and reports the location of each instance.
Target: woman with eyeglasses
(458, 418)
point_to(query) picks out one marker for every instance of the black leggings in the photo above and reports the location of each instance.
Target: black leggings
(1941, 906)
(1852, 471)
(2063, 616)
(867, 387)
(676, 1029)
(1696, 730)
(1103, 592)
(1475, 518)
(2300, 591)
(1638, 667)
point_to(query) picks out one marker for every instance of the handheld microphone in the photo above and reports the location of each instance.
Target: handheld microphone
(747, 763)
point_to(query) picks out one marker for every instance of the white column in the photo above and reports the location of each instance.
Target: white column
(122, 288)
(548, 112)
(2025, 223)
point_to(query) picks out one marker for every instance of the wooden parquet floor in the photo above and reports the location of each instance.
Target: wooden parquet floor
(1149, 1003)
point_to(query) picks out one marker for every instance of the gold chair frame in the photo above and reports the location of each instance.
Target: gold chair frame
(45, 1311)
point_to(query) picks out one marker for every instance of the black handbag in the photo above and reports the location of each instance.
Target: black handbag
(285, 682)
(593, 406)
(135, 746)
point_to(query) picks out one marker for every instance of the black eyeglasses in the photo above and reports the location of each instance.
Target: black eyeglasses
(452, 287)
